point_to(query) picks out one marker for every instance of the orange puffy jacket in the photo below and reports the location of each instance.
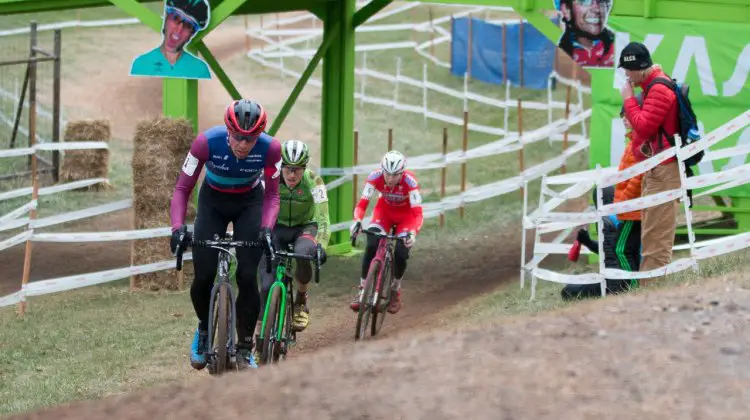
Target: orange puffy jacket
(630, 189)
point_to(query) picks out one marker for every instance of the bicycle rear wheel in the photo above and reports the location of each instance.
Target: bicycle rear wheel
(365, 304)
(270, 347)
(221, 343)
(384, 300)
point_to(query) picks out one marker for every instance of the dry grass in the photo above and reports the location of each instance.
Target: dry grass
(78, 165)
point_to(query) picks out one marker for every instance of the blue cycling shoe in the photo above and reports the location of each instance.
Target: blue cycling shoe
(198, 349)
(246, 358)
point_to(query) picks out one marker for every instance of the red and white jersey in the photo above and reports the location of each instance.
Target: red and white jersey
(404, 196)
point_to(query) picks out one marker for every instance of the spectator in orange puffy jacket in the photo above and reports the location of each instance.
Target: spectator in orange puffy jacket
(652, 123)
(628, 247)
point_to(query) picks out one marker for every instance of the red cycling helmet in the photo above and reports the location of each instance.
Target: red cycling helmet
(245, 119)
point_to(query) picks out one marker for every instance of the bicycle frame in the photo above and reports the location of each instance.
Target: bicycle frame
(284, 281)
(281, 270)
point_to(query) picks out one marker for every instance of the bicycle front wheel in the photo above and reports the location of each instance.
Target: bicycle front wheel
(384, 300)
(269, 349)
(222, 326)
(365, 304)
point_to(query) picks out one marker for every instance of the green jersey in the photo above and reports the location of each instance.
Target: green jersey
(305, 204)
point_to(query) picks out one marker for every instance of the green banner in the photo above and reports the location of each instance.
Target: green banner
(713, 58)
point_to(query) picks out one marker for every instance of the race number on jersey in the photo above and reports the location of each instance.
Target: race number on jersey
(191, 162)
(319, 194)
(415, 198)
(367, 191)
(278, 169)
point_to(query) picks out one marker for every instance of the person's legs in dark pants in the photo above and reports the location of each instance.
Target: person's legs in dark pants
(304, 244)
(628, 253)
(247, 228)
(209, 221)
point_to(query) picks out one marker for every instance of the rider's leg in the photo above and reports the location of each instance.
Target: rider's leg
(304, 244)
(209, 221)
(405, 223)
(247, 228)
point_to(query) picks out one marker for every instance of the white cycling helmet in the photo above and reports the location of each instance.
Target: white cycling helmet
(393, 163)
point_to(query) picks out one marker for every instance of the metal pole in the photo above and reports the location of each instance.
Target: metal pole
(56, 105)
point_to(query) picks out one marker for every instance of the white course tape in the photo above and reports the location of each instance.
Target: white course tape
(640, 203)
(71, 185)
(552, 248)
(588, 278)
(15, 214)
(738, 181)
(716, 136)
(102, 236)
(637, 169)
(61, 284)
(726, 153)
(707, 180)
(20, 192)
(82, 214)
(73, 145)
(673, 267)
(723, 246)
(70, 24)
(16, 152)
(15, 240)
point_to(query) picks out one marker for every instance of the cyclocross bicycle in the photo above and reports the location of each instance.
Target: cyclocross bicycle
(222, 350)
(376, 293)
(276, 333)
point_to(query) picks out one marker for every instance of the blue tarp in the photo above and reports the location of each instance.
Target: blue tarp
(487, 53)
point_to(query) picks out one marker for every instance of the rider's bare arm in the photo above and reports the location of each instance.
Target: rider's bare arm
(191, 171)
(271, 173)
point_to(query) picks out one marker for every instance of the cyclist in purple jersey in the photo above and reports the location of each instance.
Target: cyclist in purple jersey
(243, 165)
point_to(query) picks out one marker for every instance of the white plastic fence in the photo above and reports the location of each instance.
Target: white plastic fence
(545, 220)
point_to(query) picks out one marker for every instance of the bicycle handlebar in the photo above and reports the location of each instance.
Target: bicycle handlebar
(215, 243)
(315, 259)
(388, 236)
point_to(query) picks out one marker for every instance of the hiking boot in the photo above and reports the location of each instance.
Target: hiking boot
(395, 305)
(198, 349)
(301, 317)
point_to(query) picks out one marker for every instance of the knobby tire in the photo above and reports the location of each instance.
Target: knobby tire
(365, 309)
(222, 328)
(270, 346)
(384, 300)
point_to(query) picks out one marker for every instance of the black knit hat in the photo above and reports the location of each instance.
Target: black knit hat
(635, 56)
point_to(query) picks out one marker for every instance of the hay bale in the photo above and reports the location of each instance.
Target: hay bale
(159, 149)
(78, 165)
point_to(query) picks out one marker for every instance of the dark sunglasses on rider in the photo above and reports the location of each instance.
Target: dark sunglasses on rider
(241, 138)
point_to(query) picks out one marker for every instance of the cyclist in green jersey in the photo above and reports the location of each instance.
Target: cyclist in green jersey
(303, 220)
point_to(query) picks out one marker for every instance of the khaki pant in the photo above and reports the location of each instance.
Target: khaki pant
(659, 222)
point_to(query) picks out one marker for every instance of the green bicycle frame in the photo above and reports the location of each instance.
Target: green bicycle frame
(280, 273)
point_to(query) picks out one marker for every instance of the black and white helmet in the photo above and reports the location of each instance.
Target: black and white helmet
(393, 162)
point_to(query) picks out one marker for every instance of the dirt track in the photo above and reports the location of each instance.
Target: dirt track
(675, 354)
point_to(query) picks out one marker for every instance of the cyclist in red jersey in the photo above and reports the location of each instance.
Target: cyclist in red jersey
(399, 205)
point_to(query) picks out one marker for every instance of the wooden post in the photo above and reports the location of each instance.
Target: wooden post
(464, 146)
(567, 114)
(390, 140)
(432, 34)
(443, 173)
(355, 179)
(32, 143)
(468, 54)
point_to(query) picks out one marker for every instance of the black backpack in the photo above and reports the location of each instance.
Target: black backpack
(687, 121)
